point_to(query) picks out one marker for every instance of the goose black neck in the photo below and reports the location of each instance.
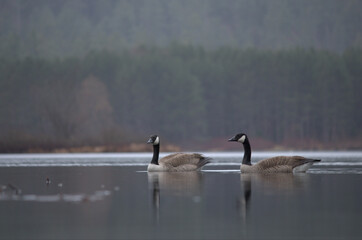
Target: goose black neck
(156, 152)
(247, 153)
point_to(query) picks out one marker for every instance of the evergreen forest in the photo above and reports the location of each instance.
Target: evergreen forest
(184, 93)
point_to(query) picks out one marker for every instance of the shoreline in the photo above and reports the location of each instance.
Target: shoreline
(213, 145)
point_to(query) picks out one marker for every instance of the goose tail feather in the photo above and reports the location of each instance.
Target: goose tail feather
(203, 161)
(313, 160)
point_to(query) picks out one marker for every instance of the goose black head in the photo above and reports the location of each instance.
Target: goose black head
(240, 137)
(154, 139)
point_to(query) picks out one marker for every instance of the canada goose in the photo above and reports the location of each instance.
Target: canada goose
(177, 162)
(280, 164)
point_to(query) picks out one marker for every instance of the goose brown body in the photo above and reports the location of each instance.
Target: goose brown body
(176, 162)
(279, 164)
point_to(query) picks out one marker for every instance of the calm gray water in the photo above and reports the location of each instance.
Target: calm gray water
(111, 196)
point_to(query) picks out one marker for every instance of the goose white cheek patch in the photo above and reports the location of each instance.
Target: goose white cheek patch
(242, 139)
(157, 141)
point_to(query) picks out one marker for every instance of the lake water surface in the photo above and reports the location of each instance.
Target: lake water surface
(111, 196)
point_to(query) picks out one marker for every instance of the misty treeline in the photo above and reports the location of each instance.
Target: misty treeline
(183, 93)
(43, 28)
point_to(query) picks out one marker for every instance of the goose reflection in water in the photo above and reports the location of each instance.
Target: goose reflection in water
(174, 183)
(267, 184)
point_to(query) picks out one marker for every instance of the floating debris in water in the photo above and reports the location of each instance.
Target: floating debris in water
(74, 198)
(10, 188)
